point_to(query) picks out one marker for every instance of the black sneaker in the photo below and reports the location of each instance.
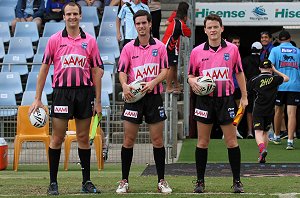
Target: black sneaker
(199, 186)
(53, 189)
(89, 187)
(237, 186)
(283, 135)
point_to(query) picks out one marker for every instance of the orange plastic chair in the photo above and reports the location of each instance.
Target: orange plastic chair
(71, 137)
(28, 133)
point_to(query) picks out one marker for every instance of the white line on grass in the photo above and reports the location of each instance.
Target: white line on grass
(287, 195)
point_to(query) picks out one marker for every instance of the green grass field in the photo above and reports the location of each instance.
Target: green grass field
(32, 180)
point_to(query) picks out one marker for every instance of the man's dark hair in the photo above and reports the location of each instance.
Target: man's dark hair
(71, 3)
(182, 10)
(142, 13)
(234, 37)
(266, 33)
(213, 17)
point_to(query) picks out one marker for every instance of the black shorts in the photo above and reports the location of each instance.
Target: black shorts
(249, 107)
(172, 59)
(287, 98)
(69, 103)
(262, 122)
(237, 94)
(151, 106)
(208, 109)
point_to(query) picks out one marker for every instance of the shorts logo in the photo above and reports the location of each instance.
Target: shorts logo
(130, 114)
(154, 52)
(201, 113)
(161, 111)
(231, 113)
(257, 125)
(84, 45)
(61, 109)
(226, 56)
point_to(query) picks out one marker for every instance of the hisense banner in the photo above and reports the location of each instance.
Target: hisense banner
(251, 14)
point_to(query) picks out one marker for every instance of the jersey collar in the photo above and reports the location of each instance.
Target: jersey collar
(206, 45)
(151, 41)
(82, 34)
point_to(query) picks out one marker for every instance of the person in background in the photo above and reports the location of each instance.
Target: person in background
(266, 41)
(96, 3)
(286, 59)
(183, 6)
(171, 39)
(27, 11)
(155, 10)
(54, 11)
(251, 68)
(264, 86)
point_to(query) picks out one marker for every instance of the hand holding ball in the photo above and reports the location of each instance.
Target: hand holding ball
(38, 118)
(136, 91)
(206, 84)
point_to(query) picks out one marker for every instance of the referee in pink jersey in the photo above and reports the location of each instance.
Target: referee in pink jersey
(78, 70)
(220, 60)
(144, 59)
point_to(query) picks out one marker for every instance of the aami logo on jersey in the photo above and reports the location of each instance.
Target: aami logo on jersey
(288, 50)
(147, 70)
(61, 109)
(201, 113)
(130, 114)
(73, 60)
(217, 74)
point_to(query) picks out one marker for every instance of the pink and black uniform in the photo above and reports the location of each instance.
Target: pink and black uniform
(143, 63)
(73, 59)
(219, 65)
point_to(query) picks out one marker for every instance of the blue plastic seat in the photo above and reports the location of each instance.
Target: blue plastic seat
(29, 96)
(32, 80)
(52, 28)
(5, 32)
(90, 14)
(110, 13)
(42, 45)
(109, 29)
(108, 58)
(9, 3)
(7, 99)
(7, 14)
(11, 81)
(105, 103)
(88, 27)
(15, 63)
(21, 45)
(107, 83)
(108, 45)
(27, 29)
(37, 63)
(2, 50)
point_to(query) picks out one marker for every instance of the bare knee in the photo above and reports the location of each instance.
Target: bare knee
(128, 142)
(82, 138)
(203, 143)
(56, 141)
(232, 143)
(157, 142)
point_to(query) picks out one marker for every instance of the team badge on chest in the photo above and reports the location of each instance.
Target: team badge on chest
(154, 52)
(226, 56)
(84, 45)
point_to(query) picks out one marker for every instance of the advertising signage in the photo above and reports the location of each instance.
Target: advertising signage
(251, 14)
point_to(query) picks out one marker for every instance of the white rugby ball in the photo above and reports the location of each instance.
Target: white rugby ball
(38, 118)
(136, 91)
(207, 85)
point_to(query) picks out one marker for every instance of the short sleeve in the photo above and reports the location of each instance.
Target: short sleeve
(124, 60)
(95, 58)
(49, 51)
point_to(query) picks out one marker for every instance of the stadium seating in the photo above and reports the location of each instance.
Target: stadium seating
(7, 14)
(7, 98)
(108, 45)
(4, 31)
(52, 28)
(42, 45)
(32, 80)
(9, 3)
(88, 27)
(110, 14)
(71, 137)
(28, 133)
(11, 81)
(21, 45)
(2, 49)
(37, 62)
(105, 103)
(108, 58)
(90, 14)
(107, 84)
(15, 63)
(27, 29)
(29, 96)
(108, 29)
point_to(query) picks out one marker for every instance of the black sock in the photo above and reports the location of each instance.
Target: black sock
(54, 156)
(159, 158)
(234, 155)
(126, 157)
(201, 161)
(85, 161)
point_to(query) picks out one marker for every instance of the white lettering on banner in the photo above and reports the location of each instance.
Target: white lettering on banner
(130, 114)
(201, 113)
(147, 70)
(61, 109)
(217, 74)
(73, 60)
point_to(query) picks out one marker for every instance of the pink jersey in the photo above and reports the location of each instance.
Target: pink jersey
(144, 63)
(219, 65)
(72, 58)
